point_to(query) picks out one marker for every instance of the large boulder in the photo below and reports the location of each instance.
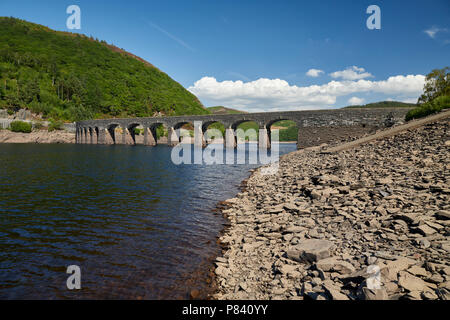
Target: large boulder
(311, 250)
(333, 264)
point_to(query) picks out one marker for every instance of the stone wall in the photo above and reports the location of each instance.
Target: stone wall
(70, 127)
(314, 136)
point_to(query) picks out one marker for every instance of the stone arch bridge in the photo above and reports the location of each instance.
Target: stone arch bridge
(103, 131)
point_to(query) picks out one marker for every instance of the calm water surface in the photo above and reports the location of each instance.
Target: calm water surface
(137, 225)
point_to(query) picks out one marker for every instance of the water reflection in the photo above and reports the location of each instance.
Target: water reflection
(138, 225)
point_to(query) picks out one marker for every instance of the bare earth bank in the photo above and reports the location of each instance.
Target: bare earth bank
(38, 136)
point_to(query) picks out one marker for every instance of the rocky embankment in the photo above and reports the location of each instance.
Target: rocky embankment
(37, 136)
(326, 223)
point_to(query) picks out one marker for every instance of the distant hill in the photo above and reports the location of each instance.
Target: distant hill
(71, 76)
(224, 110)
(385, 104)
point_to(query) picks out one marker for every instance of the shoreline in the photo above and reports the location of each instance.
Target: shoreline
(37, 136)
(62, 136)
(405, 273)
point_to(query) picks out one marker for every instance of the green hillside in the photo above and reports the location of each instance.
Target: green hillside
(386, 104)
(224, 110)
(73, 77)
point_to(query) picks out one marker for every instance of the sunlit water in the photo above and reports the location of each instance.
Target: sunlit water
(138, 225)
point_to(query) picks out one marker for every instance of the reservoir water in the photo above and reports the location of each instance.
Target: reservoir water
(138, 226)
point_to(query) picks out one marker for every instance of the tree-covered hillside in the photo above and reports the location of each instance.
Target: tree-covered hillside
(73, 77)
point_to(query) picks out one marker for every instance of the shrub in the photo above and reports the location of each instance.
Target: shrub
(434, 106)
(38, 125)
(21, 126)
(443, 101)
(161, 132)
(55, 125)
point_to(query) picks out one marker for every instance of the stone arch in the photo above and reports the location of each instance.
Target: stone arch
(158, 138)
(235, 124)
(294, 135)
(252, 136)
(85, 135)
(268, 124)
(111, 128)
(206, 124)
(131, 131)
(179, 126)
(97, 134)
(91, 135)
(205, 127)
(78, 135)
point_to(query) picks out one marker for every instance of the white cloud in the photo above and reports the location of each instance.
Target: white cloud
(314, 73)
(355, 101)
(409, 100)
(434, 30)
(276, 94)
(351, 73)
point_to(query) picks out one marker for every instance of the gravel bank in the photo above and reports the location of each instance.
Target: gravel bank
(325, 224)
(38, 136)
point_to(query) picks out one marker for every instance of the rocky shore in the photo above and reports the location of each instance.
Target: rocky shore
(371, 222)
(37, 136)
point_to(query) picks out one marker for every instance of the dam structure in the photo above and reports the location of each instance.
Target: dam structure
(122, 131)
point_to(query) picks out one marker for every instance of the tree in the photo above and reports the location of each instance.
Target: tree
(437, 83)
(67, 76)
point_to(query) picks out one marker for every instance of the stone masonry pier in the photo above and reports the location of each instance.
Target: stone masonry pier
(122, 131)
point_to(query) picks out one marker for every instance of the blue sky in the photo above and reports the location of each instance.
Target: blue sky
(255, 55)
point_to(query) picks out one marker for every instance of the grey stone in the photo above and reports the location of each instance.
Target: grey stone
(410, 282)
(333, 264)
(311, 250)
(425, 230)
(375, 294)
(443, 214)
